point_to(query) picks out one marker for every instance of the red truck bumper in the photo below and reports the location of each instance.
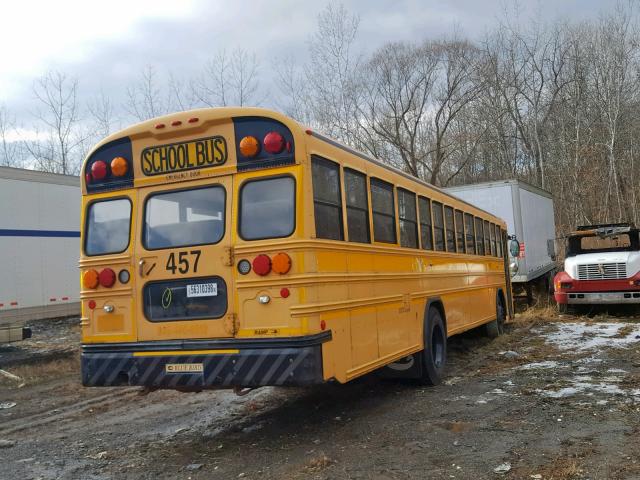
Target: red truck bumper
(591, 292)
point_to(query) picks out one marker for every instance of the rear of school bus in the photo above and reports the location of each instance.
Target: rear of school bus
(192, 228)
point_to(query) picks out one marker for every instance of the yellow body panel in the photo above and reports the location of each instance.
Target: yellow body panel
(372, 297)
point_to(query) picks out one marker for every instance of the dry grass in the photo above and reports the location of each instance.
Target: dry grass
(41, 372)
(318, 463)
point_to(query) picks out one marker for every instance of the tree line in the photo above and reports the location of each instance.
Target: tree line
(552, 103)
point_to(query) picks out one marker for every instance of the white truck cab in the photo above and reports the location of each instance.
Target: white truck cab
(602, 266)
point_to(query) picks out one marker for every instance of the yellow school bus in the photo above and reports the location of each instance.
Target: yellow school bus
(232, 247)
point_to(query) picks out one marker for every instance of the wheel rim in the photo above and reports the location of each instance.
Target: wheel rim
(437, 347)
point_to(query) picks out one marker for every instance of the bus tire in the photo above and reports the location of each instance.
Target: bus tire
(495, 328)
(434, 354)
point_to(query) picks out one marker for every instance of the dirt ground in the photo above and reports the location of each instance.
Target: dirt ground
(554, 398)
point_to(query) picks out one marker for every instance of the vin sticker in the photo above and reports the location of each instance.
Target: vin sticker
(183, 368)
(202, 290)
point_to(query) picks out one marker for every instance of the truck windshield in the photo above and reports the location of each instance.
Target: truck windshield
(623, 242)
(108, 224)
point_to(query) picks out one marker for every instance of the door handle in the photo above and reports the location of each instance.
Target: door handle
(141, 267)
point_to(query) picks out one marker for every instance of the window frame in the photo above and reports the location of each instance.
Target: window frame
(259, 179)
(143, 236)
(367, 210)
(472, 234)
(442, 228)
(449, 208)
(393, 208)
(430, 224)
(459, 236)
(480, 243)
(487, 237)
(415, 221)
(492, 238)
(85, 233)
(340, 206)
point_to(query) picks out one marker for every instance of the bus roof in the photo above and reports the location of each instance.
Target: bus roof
(206, 115)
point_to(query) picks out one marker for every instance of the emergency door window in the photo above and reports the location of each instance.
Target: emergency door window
(184, 218)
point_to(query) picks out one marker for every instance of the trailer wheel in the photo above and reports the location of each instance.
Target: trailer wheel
(495, 328)
(434, 355)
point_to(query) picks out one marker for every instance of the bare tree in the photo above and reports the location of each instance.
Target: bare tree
(228, 80)
(101, 110)
(58, 114)
(399, 91)
(331, 73)
(11, 153)
(146, 98)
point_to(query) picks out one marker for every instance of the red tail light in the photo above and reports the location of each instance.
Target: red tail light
(99, 170)
(262, 264)
(273, 142)
(107, 277)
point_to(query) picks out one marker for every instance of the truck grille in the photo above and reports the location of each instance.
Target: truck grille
(602, 271)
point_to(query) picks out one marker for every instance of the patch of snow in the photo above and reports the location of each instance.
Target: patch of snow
(540, 365)
(591, 336)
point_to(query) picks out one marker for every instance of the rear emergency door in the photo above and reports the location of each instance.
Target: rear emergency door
(183, 261)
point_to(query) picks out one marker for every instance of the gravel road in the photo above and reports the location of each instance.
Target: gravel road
(554, 398)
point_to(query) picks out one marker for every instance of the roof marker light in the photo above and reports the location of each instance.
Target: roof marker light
(193, 119)
(160, 125)
(176, 123)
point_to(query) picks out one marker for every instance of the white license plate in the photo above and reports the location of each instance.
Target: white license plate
(202, 290)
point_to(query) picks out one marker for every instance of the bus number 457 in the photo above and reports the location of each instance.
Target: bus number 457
(184, 261)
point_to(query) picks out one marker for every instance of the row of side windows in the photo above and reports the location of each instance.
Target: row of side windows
(423, 223)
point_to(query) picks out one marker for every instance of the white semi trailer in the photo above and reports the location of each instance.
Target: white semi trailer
(528, 211)
(39, 248)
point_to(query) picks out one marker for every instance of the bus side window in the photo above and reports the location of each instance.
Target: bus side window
(460, 232)
(355, 189)
(438, 226)
(470, 239)
(493, 239)
(498, 242)
(408, 219)
(487, 241)
(384, 216)
(426, 233)
(450, 229)
(479, 239)
(327, 201)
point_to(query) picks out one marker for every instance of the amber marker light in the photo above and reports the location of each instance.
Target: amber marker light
(249, 146)
(119, 166)
(90, 279)
(281, 263)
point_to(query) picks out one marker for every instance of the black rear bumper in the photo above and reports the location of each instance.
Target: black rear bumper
(201, 364)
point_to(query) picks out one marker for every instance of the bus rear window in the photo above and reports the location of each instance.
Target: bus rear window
(267, 208)
(184, 218)
(108, 224)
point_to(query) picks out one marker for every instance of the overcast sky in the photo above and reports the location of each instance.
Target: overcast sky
(106, 44)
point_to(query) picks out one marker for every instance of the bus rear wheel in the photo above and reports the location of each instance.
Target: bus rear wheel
(434, 355)
(495, 328)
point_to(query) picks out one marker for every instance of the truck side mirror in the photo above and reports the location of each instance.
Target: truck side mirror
(514, 247)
